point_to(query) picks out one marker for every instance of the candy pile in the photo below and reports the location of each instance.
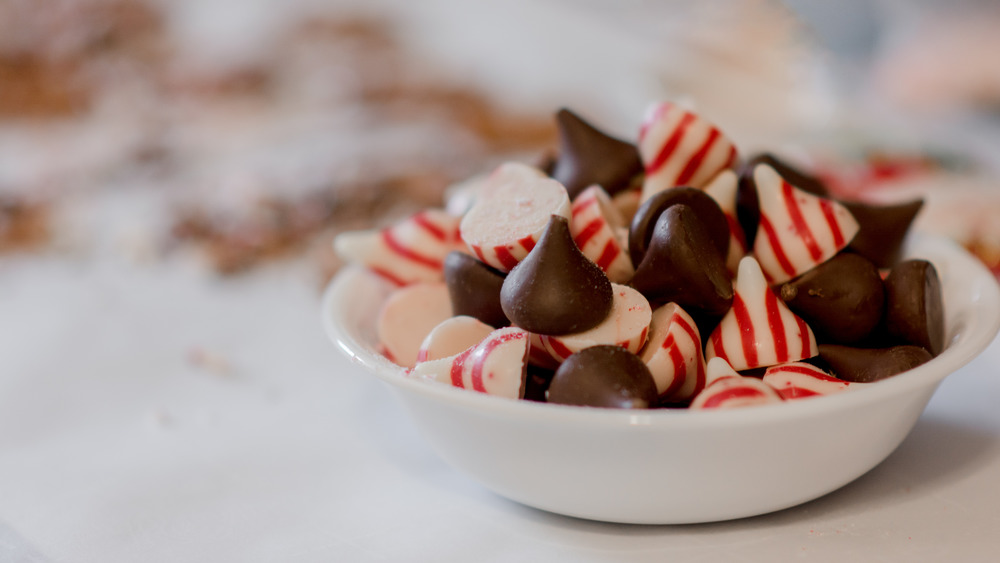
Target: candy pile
(671, 273)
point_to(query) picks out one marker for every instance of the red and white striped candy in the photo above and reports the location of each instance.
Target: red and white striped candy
(759, 330)
(410, 251)
(511, 213)
(452, 336)
(723, 188)
(798, 380)
(798, 230)
(727, 389)
(595, 225)
(673, 354)
(679, 148)
(627, 325)
(407, 316)
(497, 365)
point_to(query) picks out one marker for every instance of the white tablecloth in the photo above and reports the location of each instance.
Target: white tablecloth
(153, 412)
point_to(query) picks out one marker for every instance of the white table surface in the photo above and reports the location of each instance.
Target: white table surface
(115, 446)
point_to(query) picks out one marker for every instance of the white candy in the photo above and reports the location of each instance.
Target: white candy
(453, 336)
(408, 252)
(510, 214)
(727, 389)
(798, 380)
(679, 148)
(595, 225)
(798, 230)
(407, 316)
(759, 330)
(723, 190)
(627, 325)
(497, 365)
(673, 354)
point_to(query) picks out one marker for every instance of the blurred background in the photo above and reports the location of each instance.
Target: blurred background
(232, 132)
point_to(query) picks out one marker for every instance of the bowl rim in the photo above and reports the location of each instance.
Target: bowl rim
(968, 338)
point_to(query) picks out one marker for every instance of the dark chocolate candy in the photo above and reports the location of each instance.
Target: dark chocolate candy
(556, 289)
(747, 206)
(842, 299)
(914, 308)
(536, 383)
(707, 210)
(882, 229)
(587, 156)
(865, 365)
(603, 376)
(474, 288)
(683, 265)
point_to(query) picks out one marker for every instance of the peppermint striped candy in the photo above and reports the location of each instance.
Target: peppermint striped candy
(798, 380)
(759, 330)
(627, 325)
(452, 336)
(723, 189)
(496, 366)
(727, 389)
(673, 354)
(510, 214)
(798, 230)
(595, 223)
(679, 148)
(407, 316)
(410, 251)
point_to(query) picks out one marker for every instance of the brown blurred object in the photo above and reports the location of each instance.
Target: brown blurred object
(23, 225)
(50, 50)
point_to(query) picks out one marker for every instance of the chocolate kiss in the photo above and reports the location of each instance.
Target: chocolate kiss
(684, 266)
(864, 365)
(882, 229)
(914, 309)
(712, 217)
(556, 289)
(747, 206)
(474, 289)
(588, 156)
(603, 376)
(842, 299)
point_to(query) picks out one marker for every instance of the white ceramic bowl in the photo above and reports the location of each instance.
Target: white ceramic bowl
(670, 466)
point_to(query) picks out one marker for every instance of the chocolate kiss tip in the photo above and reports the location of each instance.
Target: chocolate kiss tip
(842, 299)
(707, 209)
(588, 156)
(683, 265)
(556, 289)
(865, 365)
(882, 229)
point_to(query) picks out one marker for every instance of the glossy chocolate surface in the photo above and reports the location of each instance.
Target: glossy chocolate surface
(556, 289)
(603, 376)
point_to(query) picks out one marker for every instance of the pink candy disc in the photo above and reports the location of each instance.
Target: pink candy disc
(723, 188)
(798, 230)
(727, 389)
(497, 365)
(679, 148)
(510, 213)
(595, 223)
(759, 330)
(407, 316)
(408, 252)
(798, 380)
(673, 354)
(627, 326)
(453, 336)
